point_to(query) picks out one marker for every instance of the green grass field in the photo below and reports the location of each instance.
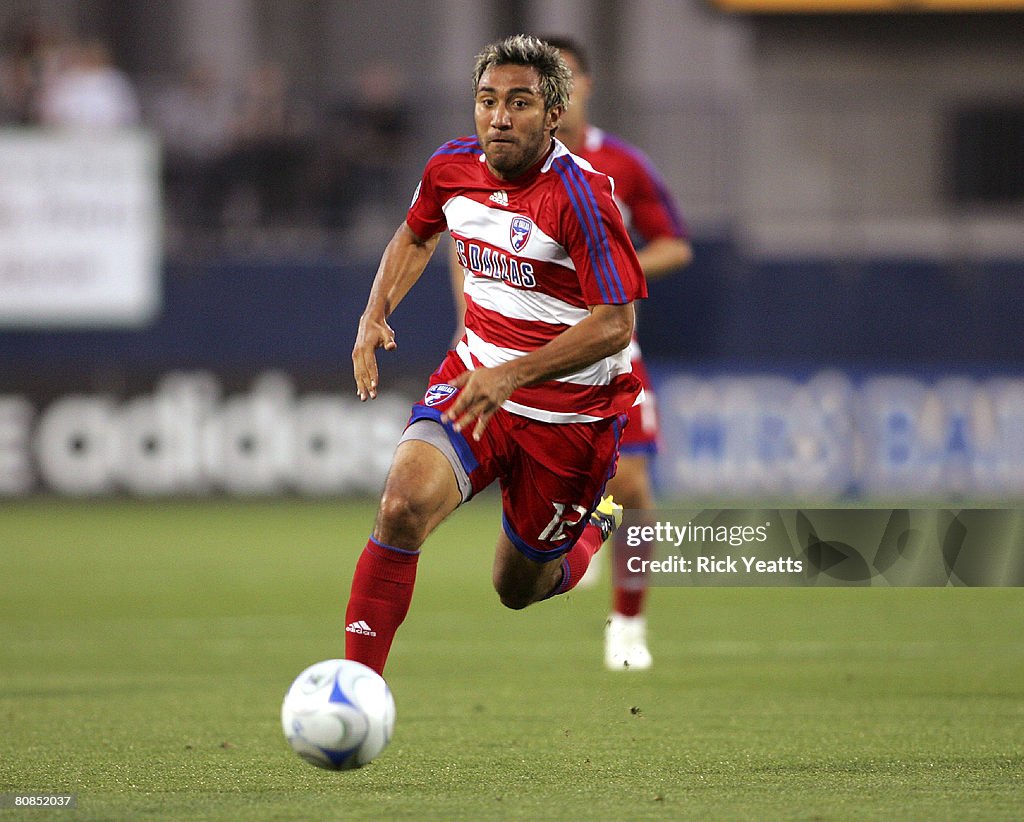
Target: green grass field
(145, 649)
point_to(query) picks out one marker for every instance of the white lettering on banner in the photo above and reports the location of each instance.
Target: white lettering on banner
(751, 436)
(827, 438)
(823, 438)
(1008, 421)
(957, 437)
(81, 221)
(186, 440)
(73, 446)
(16, 475)
(341, 448)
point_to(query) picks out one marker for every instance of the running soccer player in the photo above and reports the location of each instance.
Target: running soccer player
(664, 246)
(537, 391)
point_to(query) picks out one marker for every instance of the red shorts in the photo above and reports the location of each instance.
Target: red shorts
(551, 475)
(642, 434)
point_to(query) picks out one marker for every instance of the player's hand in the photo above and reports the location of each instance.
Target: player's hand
(372, 334)
(481, 394)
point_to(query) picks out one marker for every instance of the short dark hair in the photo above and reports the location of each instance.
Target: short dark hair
(572, 46)
(526, 50)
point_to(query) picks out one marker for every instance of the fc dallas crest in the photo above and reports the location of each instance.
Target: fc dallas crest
(519, 233)
(437, 394)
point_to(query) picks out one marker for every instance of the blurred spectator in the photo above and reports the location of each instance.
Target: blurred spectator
(195, 118)
(271, 146)
(9, 93)
(89, 92)
(365, 144)
(34, 56)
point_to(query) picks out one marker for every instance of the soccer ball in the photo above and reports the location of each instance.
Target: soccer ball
(338, 714)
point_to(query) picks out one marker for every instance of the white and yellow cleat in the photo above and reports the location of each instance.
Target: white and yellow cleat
(625, 644)
(607, 516)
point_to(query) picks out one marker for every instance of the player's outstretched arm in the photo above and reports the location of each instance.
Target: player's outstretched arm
(605, 332)
(400, 267)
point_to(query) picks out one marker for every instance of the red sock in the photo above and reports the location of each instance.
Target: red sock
(381, 593)
(577, 560)
(629, 588)
(628, 603)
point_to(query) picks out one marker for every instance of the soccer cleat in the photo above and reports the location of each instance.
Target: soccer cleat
(607, 516)
(625, 644)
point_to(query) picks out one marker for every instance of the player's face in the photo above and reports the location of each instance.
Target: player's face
(512, 124)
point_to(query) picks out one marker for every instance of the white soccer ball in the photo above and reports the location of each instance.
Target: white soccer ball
(338, 714)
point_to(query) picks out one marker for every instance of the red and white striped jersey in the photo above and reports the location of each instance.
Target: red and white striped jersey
(536, 252)
(648, 208)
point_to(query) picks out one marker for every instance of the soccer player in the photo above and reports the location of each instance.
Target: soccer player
(537, 391)
(653, 217)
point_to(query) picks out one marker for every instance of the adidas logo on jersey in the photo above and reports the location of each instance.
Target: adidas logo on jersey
(360, 627)
(499, 197)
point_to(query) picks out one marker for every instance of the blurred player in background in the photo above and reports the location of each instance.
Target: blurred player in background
(664, 246)
(538, 389)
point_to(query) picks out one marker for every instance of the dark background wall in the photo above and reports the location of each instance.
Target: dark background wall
(239, 317)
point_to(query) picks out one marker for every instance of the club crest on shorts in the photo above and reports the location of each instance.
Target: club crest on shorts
(519, 232)
(437, 394)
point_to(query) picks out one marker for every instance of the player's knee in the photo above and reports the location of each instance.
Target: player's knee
(514, 598)
(402, 519)
(520, 581)
(516, 591)
(419, 493)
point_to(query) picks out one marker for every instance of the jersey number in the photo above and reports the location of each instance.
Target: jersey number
(560, 522)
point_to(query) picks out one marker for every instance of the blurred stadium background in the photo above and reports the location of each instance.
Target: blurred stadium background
(193, 198)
